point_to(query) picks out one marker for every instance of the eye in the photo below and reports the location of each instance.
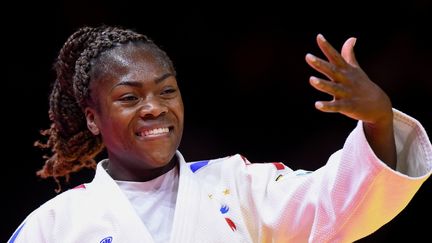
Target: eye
(128, 98)
(168, 91)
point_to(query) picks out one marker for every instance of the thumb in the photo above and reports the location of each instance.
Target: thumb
(348, 51)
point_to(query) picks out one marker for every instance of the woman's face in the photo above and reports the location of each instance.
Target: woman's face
(138, 109)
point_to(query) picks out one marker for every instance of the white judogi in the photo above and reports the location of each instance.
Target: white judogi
(231, 200)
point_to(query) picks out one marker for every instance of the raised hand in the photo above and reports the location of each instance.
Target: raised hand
(354, 95)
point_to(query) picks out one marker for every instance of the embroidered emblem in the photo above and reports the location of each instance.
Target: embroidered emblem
(82, 186)
(226, 192)
(231, 224)
(279, 166)
(221, 198)
(279, 177)
(106, 240)
(198, 165)
(224, 209)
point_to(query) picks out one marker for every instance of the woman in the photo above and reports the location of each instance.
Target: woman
(116, 90)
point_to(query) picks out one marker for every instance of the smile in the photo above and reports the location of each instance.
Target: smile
(153, 132)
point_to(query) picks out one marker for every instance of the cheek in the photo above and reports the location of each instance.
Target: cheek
(117, 121)
(179, 110)
(115, 132)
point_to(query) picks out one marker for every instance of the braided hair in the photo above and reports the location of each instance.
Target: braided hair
(71, 143)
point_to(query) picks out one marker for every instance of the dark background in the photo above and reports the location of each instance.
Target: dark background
(243, 78)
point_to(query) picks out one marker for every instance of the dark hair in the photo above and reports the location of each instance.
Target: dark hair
(72, 145)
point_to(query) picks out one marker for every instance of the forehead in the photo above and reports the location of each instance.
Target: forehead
(126, 59)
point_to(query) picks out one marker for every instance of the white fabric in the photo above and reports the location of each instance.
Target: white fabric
(231, 200)
(154, 202)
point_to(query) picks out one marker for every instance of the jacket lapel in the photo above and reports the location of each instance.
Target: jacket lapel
(128, 226)
(197, 218)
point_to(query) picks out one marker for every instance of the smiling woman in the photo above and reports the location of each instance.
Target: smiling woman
(138, 111)
(116, 90)
(127, 90)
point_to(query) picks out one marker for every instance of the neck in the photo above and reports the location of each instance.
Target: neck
(139, 175)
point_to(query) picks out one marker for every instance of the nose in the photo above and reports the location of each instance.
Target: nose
(152, 107)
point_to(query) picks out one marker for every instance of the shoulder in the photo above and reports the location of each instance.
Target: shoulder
(66, 200)
(236, 160)
(233, 163)
(79, 192)
(37, 225)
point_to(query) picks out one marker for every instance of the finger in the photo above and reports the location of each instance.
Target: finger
(328, 69)
(329, 51)
(329, 106)
(348, 52)
(331, 88)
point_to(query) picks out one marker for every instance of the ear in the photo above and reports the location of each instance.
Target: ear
(91, 120)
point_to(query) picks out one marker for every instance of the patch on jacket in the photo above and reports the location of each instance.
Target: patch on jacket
(106, 240)
(198, 165)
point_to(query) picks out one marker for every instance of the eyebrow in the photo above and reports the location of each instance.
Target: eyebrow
(139, 84)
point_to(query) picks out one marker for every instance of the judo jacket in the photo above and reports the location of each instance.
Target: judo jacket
(233, 200)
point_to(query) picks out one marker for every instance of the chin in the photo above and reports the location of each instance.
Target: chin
(160, 160)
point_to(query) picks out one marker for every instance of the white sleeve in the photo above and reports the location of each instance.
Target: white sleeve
(389, 192)
(349, 198)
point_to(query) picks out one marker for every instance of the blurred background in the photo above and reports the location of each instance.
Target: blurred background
(243, 78)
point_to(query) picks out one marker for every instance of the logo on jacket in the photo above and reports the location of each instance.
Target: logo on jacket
(106, 240)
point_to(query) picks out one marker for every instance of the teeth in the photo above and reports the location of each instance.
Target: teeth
(155, 131)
